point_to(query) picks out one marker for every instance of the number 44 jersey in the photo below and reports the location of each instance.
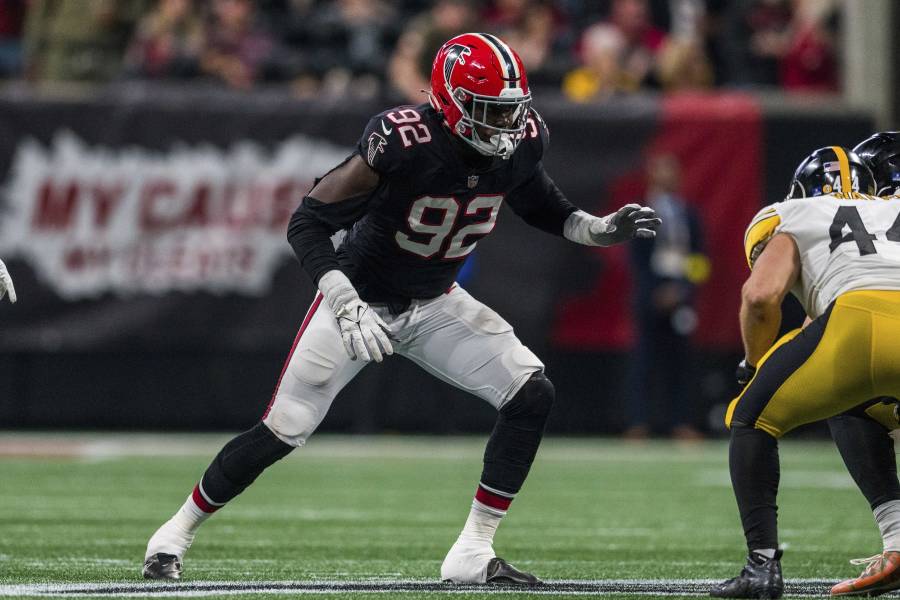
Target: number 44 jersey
(846, 242)
(431, 206)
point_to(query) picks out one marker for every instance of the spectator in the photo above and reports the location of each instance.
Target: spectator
(81, 41)
(502, 16)
(12, 17)
(617, 54)
(293, 59)
(667, 270)
(235, 49)
(757, 35)
(682, 65)
(350, 40)
(167, 42)
(642, 39)
(600, 74)
(536, 30)
(410, 66)
(809, 62)
(786, 43)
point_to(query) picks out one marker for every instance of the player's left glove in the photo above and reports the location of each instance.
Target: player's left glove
(630, 221)
(744, 372)
(363, 332)
(6, 284)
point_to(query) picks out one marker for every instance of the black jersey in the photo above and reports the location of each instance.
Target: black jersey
(432, 206)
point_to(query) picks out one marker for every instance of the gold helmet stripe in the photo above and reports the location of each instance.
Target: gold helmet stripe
(844, 163)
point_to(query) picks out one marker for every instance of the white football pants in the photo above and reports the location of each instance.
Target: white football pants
(454, 337)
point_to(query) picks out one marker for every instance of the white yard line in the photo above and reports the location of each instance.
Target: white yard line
(643, 587)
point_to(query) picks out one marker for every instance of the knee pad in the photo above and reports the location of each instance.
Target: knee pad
(293, 420)
(315, 367)
(534, 400)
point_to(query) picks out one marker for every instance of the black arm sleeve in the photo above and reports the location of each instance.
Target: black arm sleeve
(313, 224)
(540, 203)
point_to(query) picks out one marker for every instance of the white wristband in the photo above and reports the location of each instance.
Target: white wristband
(577, 227)
(337, 290)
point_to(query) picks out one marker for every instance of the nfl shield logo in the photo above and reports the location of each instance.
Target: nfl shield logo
(473, 181)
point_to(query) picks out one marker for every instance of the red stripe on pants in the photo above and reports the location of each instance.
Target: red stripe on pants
(306, 320)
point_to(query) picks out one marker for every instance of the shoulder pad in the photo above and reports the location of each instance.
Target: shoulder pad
(761, 229)
(391, 137)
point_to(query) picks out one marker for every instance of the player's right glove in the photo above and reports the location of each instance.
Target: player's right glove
(744, 372)
(363, 332)
(6, 284)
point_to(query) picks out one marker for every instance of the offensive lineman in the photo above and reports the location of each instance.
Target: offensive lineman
(838, 251)
(862, 435)
(425, 185)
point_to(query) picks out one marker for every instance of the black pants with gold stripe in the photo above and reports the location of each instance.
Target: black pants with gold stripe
(839, 363)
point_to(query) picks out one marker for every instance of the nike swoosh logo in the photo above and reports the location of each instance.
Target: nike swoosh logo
(385, 129)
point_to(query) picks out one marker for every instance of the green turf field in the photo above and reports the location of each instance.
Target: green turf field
(371, 511)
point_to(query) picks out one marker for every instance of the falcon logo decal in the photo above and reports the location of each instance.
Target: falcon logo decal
(376, 146)
(456, 54)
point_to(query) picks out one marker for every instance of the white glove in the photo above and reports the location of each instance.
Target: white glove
(363, 332)
(630, 221)
(6, 284)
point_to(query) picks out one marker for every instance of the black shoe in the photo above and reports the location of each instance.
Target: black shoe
(761, 578)
(500, 571)
(162, 566)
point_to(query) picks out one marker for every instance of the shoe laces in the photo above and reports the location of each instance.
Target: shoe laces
(870, 562)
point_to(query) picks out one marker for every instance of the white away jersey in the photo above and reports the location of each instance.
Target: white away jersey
(846, 242)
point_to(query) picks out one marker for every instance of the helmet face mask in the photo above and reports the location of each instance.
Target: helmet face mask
(493, 126)
(831, 170)
(479, 85)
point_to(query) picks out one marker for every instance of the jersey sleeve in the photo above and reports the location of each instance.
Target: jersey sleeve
(764, 225)
(540, 203)
(382, 147)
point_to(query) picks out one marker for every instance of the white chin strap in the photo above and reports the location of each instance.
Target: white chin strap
(504, 144)
(500, 144)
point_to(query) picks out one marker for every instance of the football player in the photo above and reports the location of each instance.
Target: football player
(837, 249)
(425, 184)
(863, 434)
(6, 284)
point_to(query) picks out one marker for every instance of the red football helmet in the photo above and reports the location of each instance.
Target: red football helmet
(479, 84)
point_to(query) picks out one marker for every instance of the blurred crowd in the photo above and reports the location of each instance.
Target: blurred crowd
(590, 49)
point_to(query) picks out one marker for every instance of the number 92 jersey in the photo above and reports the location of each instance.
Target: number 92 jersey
(430, 207)
(846, 242)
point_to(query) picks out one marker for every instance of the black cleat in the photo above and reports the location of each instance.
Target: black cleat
(162, 566)
(761, 578)
(500, 571)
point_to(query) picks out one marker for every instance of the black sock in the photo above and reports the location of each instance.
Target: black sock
(868, 452)
(240, 462)
(753, 459)
(517, 435)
